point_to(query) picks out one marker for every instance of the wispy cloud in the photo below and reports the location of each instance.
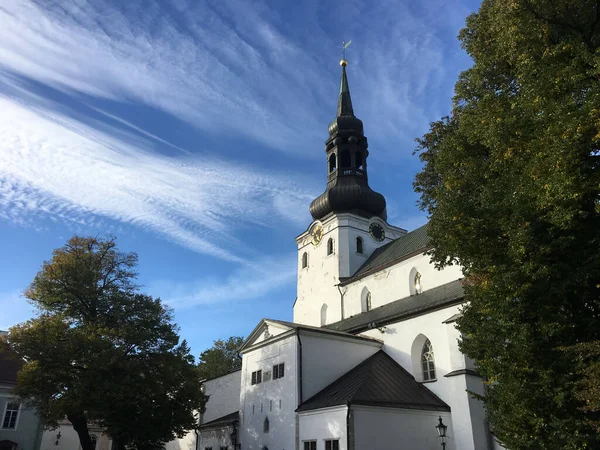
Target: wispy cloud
(264, 276)
(238, 67)
(54, 166)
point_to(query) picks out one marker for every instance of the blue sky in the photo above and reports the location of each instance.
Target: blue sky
(194, 132)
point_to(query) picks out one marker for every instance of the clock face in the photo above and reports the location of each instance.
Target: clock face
(377, 232)
(317, 234)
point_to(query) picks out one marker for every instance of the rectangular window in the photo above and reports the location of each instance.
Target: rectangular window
(278, 371)
(332, 444)
(266, 376)
(257, 377)
(11, 415)
(310, 445)
(222, 448)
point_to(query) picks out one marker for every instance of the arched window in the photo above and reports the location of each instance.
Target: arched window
(324, 314)
(345, 159)
(304, 260)
(359, 160)
(365, 300)
(417, 283)
(266, 425)
(359, 245)
(332, 163)
(330, 246)
(427, 362)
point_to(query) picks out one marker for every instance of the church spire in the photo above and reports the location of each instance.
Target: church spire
(344, 101)
(347, 182)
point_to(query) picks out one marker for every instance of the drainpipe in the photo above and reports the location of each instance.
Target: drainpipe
(341, 300)
(348, 413)
(299, 367)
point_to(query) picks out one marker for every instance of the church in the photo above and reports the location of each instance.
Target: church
(371, 359)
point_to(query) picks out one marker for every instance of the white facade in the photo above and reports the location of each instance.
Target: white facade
(318, 280)
(392, 428)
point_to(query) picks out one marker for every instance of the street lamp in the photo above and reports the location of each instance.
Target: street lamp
(441, 429)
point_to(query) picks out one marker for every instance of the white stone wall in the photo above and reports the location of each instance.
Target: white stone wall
(395, 282)
(215, 439)
(325, 358)
(317, 283)
(69, 440)
(224, 396)
(274, 399)
(392, 429)
(327, 423)
(403, 341)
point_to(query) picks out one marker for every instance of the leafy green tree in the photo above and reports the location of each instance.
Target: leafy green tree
(101, 352)
(222, 358)
(512, 187)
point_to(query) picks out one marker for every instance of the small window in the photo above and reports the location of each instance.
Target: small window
(278, 371)
(261, 407)
(304, 260)
(359, 245)
(368, 302)
(223, 448)
(330, 246)
(324, 314)
(332, 444)
(253, 408)
(345, 159)
(332, 163)
(310, 445)
(359, 160)
(270, 405)
(266, 425)
(10, 416)
(428, 362)
(417, 283)
(257, 377)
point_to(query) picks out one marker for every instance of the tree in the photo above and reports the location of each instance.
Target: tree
(512, 186)
(222, 358)
(101, 352)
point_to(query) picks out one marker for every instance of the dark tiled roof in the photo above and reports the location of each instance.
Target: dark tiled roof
(396, 250)
(9, 366)
(222, 421)
(437, 297)
(377, 381)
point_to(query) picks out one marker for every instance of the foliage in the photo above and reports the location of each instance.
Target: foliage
(101, 352)
(512, 186)
(222, 358)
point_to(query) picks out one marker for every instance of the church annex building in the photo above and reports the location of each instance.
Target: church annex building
(371, 360)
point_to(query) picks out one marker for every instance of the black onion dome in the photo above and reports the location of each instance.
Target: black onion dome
(347, 194)
(347, 187)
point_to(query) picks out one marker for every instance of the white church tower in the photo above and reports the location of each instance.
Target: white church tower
(349, 221)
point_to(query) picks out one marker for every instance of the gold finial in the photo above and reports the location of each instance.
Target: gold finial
(345, 45)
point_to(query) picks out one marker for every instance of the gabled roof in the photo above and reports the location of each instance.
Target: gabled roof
(300, 327)
(222, 421)
(438, 297)
(377, 381)
(405, 246)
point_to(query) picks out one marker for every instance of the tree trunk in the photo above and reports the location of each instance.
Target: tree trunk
(80, 426)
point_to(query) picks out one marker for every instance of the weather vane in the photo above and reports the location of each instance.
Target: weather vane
(345, 45)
